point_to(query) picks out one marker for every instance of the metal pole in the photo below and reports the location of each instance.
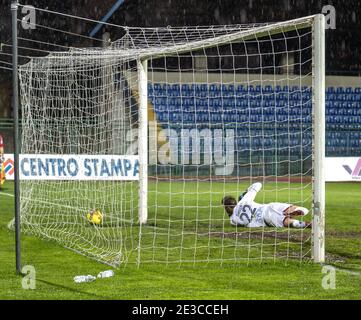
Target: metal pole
(318, 226)
(15, 103)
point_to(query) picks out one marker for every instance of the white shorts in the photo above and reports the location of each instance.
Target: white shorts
(274, 214)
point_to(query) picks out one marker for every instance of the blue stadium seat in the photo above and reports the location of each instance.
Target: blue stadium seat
(357, 97)
(331, 96)
(341, 96)
(231, 88)
(203, 103)
(215, 117)
(330, 90)
(224, 88)
(250, 88)
(340, 90)
(241, 103)
(268, 89)
(277, 89)
(348, 90)
(240, 88)
(157, 86)
(217, 102)
(213, 87)
(175, 87)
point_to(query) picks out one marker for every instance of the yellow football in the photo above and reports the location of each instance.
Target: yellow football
(95, 216)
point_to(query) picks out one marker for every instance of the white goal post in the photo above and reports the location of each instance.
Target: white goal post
(319, 106)
(154, 130)
(143, 141)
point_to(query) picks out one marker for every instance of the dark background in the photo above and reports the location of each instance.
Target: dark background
(343, 44)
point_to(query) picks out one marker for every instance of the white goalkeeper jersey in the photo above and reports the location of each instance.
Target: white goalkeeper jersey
(248, 213)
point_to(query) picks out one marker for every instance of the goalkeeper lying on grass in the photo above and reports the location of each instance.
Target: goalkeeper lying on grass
(247, 213)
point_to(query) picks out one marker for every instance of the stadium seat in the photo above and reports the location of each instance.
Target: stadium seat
(203, 103)
(340, 90)
(231, 88)
(157, 86)
(277, 89)
(240, 88)
(267, 89)
(348, 90)
(213, 87)
(330, 90)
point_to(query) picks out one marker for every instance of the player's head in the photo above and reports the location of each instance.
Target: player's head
(229, 203)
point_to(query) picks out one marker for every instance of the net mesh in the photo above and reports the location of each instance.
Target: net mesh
(227, 106)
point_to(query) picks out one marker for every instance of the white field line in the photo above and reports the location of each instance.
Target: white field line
(6, 194)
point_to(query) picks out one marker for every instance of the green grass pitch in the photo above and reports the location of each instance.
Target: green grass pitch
(269, 279)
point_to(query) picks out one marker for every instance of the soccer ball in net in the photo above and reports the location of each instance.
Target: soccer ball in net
(95, 216)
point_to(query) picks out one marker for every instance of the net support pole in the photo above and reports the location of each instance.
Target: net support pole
(143, 141)
(15, 104)
(319, 139)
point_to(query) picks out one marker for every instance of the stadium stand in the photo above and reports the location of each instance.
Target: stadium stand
(197, 105)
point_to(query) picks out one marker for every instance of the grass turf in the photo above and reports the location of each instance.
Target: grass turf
(56, 266)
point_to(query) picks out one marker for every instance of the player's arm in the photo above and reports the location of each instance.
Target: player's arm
(251, 192)
(236, 221)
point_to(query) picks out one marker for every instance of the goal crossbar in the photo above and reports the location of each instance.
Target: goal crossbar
(154, 52)
(243, 35)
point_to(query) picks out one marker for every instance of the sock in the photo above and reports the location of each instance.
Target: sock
(298, 224)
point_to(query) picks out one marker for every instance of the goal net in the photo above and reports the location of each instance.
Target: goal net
(157, 128)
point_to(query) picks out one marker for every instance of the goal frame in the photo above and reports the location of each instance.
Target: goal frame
(318, 114)
(318, 110)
